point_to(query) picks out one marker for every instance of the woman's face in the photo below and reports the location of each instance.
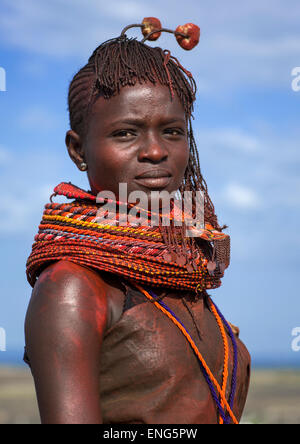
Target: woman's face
(138, 137)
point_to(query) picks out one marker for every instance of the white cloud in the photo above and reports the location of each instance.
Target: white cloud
(241, 197)
(260, 167)
(229, 139)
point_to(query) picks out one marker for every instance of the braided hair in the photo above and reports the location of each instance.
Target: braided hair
(123, 62)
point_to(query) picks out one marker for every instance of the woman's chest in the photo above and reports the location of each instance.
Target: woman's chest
(147, 342)
(148, 361)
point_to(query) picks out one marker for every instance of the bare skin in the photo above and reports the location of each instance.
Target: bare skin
(72, 306)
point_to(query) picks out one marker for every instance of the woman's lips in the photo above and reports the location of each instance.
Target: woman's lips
(154, 182)
(154, 179)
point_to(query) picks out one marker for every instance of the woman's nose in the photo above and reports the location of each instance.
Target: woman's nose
(152, 150)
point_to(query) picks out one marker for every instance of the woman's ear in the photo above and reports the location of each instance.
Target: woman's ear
(75, 149)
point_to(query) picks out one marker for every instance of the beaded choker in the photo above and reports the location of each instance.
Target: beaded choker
(70, 231)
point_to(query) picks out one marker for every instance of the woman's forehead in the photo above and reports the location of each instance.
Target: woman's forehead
(142, 100)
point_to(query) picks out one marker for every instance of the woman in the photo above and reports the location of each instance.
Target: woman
(120, 328)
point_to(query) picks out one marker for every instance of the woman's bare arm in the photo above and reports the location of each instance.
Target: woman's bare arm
(65, 321)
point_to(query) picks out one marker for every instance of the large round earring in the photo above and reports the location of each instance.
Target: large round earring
(83, 166)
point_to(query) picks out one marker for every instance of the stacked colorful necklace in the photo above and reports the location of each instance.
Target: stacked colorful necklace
(71, 231)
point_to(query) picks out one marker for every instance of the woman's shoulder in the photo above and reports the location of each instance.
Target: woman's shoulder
(64, 272)
(76, 291)
(65, 282)
(67, 293)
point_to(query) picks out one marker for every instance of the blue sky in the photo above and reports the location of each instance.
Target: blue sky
(246, 125)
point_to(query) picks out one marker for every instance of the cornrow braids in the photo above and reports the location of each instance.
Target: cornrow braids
(123, 62)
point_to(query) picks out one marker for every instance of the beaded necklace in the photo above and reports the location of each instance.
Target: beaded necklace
(218, 393)
(72, 231)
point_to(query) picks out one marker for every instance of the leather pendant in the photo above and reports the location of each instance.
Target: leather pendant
(181, 260)
(211, 266)
(189, 268)
(167, 257)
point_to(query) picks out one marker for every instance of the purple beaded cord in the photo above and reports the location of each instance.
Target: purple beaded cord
(225, 417)
(235, 361)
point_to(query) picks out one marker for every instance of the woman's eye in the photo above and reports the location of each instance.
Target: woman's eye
(174, 132)
(124, 134)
